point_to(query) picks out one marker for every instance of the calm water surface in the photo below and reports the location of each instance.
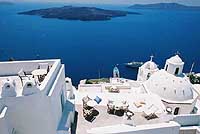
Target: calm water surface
(86, 47)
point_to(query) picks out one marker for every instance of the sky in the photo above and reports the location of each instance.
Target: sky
(127, 2)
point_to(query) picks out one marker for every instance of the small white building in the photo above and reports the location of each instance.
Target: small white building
(33, 97)
(146, 70)
(174, 65)
(116, 73)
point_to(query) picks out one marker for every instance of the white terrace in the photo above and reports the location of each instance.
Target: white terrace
(140, 102)
(33, 97)
(15, 76)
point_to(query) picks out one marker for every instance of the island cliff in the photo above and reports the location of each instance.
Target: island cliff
(78, 13)
(163, 6)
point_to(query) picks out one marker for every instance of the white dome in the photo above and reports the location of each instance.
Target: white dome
(150, 65)
(175, 60)
(170, 87)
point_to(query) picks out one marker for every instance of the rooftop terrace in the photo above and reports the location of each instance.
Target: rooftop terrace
(104, 119)
(19, 78)
(141, 104)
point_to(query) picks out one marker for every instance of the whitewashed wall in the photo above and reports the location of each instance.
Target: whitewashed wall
(38, 113)
(162, 128)
(31, 115)
(4, 127)
(55, 96)
(184, 108)
(12, 68)
(188, 119)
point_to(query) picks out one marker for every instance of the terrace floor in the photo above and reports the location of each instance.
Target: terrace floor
(105, 119)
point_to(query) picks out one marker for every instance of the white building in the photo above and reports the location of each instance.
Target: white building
(166, 93)
(32, 100)
(146, 70)
(174, 88)
(116, 72)
(36, 98)
(174, 65)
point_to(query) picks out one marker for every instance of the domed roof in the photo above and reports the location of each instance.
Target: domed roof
(150, 65)
(175, 59)
(170, 87)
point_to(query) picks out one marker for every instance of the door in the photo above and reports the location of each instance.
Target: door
(176, 111)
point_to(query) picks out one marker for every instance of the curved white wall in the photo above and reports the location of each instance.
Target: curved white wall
(171, 68)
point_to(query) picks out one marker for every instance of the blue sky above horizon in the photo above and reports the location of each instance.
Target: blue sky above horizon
(128, 2)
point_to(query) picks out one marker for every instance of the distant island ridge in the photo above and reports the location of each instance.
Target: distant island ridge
(6, 3)
(163, 6)
(78, 13)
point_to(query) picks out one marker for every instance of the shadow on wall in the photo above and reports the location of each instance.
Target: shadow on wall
(67, 117)
(74, 125)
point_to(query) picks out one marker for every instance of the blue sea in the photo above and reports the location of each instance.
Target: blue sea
(87, 48)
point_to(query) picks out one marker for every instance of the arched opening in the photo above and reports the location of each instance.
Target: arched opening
(166, 67)
(176, 71)
(176, 111)
(8, 86)
(148, 75)
(29, 85)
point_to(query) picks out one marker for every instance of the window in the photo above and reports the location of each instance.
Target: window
(176, 111)
(166, 67)
(148, 75)
(177, 70)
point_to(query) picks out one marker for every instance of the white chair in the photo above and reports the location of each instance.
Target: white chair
(22, 75)
(44, 66)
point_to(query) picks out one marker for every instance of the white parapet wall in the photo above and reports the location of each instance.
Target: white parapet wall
(188, 119)
(13, 67)
(90, 88)
(161, 128)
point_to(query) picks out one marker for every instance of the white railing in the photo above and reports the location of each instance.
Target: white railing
(12, 68)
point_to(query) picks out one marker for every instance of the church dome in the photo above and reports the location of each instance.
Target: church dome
(170, 87)
(175, 60)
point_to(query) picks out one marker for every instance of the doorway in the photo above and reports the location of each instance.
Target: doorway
(176, 111)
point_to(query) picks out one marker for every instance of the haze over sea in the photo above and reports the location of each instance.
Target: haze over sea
(87, 47)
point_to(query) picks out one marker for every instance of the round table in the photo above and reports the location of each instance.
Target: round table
(39, 72)
(169, 109)
(91, 103)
